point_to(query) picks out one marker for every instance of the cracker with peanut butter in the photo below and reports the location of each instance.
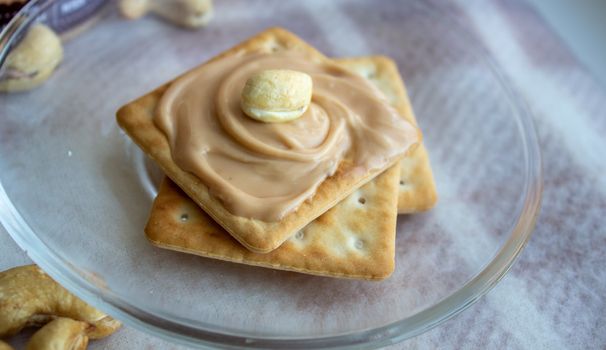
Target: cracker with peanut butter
(261, 236)
(352, 240)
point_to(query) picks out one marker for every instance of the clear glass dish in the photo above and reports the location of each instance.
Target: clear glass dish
(75, 193)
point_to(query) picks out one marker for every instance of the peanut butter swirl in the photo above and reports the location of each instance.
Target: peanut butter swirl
(266, 170)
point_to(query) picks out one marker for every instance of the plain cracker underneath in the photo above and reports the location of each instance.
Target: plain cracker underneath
(417, 189)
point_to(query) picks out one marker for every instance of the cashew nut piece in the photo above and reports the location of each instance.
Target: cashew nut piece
(5, 346)
(186, 13)
(274, 96)
(33, 60)
(61, 333)
(29, 297)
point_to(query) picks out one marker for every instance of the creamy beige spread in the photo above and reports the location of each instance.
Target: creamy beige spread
(266, 170)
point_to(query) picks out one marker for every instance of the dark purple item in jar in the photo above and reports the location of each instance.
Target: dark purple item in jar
(8, 9)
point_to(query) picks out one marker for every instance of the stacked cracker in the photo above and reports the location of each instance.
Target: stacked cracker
(346, 230)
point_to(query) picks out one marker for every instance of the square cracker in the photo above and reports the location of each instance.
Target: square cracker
(136, 118)
(417, 189)
(354, 239)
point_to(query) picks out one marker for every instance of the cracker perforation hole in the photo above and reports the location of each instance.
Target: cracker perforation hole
(402, 183)
(184, 217)
(300, 235)
(359, 244)
(362, 200)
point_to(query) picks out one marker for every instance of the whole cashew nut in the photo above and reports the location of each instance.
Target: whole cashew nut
(29, 297)
(186, 13)
(61, 333)
(276, 95)
(33, 60)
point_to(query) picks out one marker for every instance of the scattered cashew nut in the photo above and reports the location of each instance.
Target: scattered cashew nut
(61, 333)
(33, 60)
(278, 95)
(29, 297)
(186, 13)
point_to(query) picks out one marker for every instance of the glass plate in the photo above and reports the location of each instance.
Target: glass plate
(75, 193)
